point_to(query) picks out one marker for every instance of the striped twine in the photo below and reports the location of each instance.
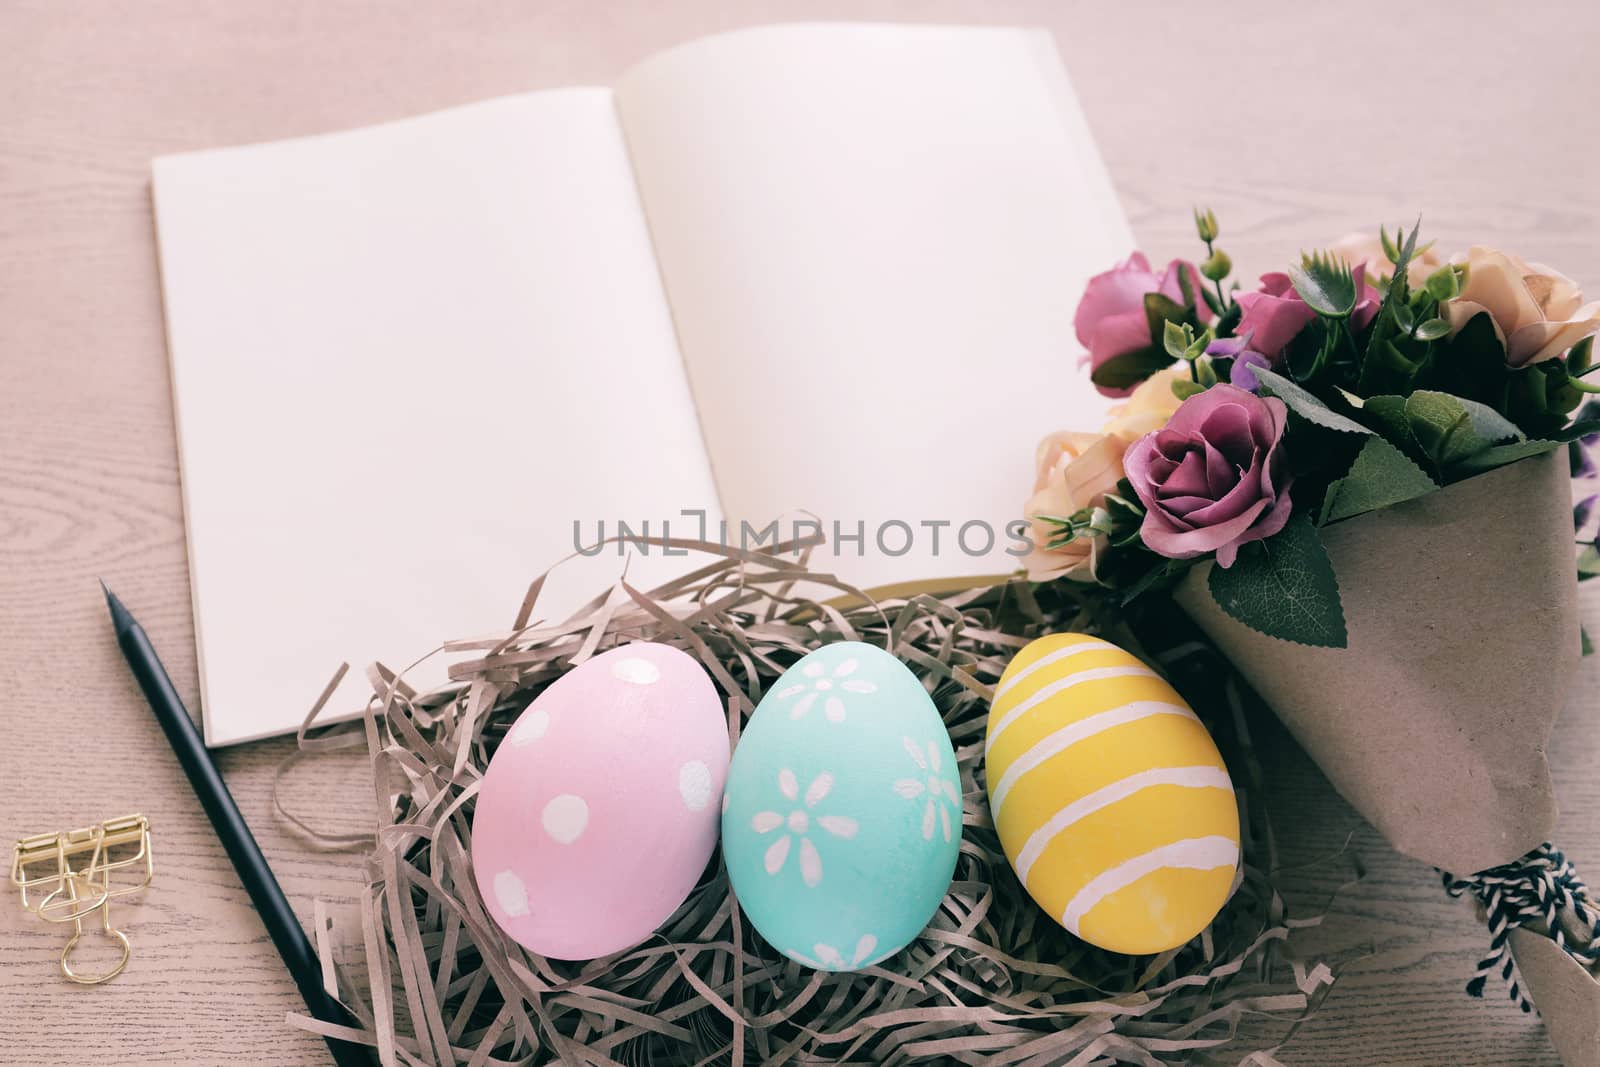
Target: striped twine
(1529, 893)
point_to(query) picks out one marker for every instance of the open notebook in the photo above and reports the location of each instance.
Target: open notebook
(822, 268)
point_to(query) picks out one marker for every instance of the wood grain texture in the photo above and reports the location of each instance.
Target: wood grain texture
(1296, 123)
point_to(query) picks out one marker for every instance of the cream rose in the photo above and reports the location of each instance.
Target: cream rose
(1363, 249)
(1074, 471)
(1538, 314)
(1148, 408)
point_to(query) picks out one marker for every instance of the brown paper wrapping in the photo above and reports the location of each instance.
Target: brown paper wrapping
(1463, 621)
(1568, 996)
(1462, 610)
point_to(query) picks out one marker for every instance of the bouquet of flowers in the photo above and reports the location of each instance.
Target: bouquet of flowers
(1354, 479)
(1365, 376)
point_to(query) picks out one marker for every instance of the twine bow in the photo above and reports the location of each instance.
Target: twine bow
(1530, 893)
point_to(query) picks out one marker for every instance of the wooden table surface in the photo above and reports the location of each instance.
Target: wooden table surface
(1297, 123)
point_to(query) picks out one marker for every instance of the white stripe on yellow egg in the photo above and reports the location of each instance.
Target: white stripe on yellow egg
(1195, 853)
(1104, 797)
(1061, 685)
(1011, 681)
(1058, 742)
(1109, 797)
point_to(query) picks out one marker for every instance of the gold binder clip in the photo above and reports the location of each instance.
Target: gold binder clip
(74, 870)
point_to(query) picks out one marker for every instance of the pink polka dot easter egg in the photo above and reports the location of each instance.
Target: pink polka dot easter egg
(601, 806)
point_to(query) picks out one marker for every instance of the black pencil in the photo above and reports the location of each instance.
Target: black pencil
(259, 882)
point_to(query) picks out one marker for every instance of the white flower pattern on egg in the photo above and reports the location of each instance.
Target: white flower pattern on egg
(831, 959)
(937, 788)
(826, 689)
(798, 823)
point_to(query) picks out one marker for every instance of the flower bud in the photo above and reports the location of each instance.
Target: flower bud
(1216, 266)
(1205, 223)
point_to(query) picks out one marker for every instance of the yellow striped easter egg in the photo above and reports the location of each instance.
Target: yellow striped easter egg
(1111, 800)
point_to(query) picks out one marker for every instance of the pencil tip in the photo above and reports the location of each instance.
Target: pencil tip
(119, 614)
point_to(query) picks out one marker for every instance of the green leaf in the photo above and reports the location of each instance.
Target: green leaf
(1445, 283)
(1432, 330)
(1471, 362)
(1582, 428)
(1325, 283)
(1450, 429)
(1478, 343)
(1391, 250)
(1398, 287)
(1125, 514)
(1487, 421)
(1581, 357)
(1404, 318)
(1183, 388)
(1562, 392)
(1500, 455)
(1130, 368)
(1164, 574)
(1584, 643)
(1160, 310)
(1186, 288)
(1389, 412)
(1303, 356)
(1227, 323)
(1175, 339)
(1284, 587)
(1528, 394)
(1305, 404)
(1385, 369)
(1380, 477)
(1588, 563)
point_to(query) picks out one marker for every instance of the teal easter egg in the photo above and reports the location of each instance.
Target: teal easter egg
(842, 816)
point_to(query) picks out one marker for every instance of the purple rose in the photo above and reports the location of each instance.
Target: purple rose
(1274, 314)
(1110, 320)
(1215, 477)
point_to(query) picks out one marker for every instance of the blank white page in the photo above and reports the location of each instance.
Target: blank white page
(873, 239)
(405, 359)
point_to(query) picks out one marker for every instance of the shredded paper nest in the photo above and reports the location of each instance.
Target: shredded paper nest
(991, 980)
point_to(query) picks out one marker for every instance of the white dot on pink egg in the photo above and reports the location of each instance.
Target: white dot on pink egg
(565, 818)
(694, 785)
(614, 769)
(510, 893)
(530, 727)
(637, 671)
